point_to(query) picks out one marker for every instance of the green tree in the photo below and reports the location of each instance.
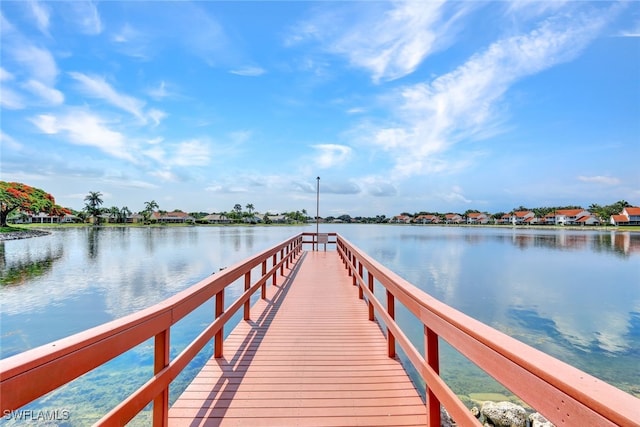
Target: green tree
(148, 210)
(124, 213)
(114, 214)
(93, 202)
(250, 208)
(15, 195)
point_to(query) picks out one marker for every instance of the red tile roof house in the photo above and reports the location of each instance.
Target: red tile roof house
(401, 219)
(629, 216)
(566, 216)
(426, 219)
(505, 219)
(588, 220)
(522, 217)
(452, 218)
(477, 218)
(175, 217)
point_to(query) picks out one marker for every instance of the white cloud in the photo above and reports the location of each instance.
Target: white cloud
(8, 142)
(599, 179)
(455, 196)
(249, 71)
(159, 92)
(156, 116)
(464, 104)
(85, 16)
(37, 62)
(165, 175)
(41, 14)
(388, 42)
(330, 155)
(10, 99)
(48, 94)
(83, 128)
(97, 87)
(191, 153)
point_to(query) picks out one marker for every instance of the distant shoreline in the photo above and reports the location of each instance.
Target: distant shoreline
(22, 234)
(36, 230)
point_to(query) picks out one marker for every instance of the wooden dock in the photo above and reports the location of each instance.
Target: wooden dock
(309, 356)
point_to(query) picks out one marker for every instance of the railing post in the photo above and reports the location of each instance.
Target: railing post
(247, 304)
(263, 288)
(218, 339)
(370, 284)
(281, 259)
(391, 340)
(274, 261)
(360, 292)
(286, 263)
(432, 358)
(161, 361)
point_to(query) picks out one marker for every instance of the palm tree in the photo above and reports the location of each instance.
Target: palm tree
(114, 213)
(94, 200)
(250, 208)
(148, 210)
(124, 213)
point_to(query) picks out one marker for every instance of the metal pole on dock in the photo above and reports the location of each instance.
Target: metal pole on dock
(317, 212)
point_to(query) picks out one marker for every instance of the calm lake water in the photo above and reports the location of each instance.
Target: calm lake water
(572, 294)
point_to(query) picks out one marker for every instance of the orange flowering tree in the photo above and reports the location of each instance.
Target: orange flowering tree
(14, 195)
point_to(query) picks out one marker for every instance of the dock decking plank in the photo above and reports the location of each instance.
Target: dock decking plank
(309, 356)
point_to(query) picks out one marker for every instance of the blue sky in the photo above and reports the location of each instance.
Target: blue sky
(397, 106)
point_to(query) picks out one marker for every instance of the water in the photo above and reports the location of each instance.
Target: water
(572, 294)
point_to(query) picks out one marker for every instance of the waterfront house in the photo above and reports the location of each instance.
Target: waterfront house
(522, 218)
(453, 218)
(216, 219)
(401, 219)
(505, 219)
(477, 218)
(633, 213)
(566, 216)
(175, 217)
(628, 216)
(426, 219)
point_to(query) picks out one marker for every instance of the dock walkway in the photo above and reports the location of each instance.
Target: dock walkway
(309, 356)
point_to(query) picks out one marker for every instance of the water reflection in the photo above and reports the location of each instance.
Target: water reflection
(19, 270)
(572, 294)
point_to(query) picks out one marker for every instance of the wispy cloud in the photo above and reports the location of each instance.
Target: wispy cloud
(37, 62)
(330, 155)
(33, 70)
(249, 71)
(83, 128)
(192, 153)
(10, 99)
(85, 16)
(465, 104)
(49, 95)
(98, 87)
(600, 179)
(41, 14)
(389, 40)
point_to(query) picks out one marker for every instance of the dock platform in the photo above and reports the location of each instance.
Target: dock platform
(308, 356)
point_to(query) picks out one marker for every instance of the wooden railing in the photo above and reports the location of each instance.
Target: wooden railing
(30, 375)
(560, 392)
(563, 394)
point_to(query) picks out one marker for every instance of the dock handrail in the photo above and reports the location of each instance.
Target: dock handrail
(30, 375)
(560, 392)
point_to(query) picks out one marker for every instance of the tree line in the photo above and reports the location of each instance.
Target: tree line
(21, 199)
(603, 212)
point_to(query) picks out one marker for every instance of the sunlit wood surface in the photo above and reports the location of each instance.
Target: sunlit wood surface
(309, 356)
